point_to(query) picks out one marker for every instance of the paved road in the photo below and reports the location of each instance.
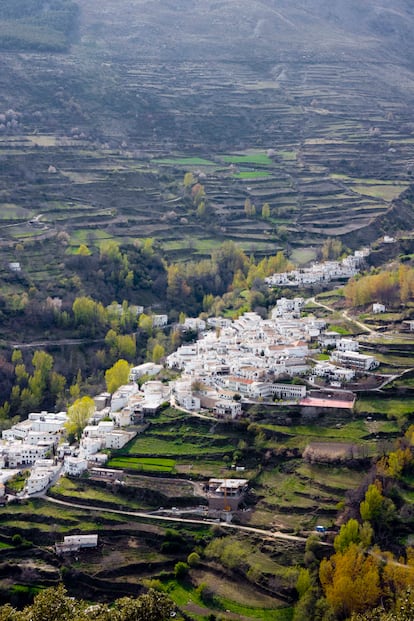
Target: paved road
(142, 514)
(36, 344)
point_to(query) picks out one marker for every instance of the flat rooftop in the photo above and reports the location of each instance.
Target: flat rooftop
(319, 402)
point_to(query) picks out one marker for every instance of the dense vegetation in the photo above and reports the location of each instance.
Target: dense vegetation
(228, 282)
(363, 573)
(55, 605)
(391, 287)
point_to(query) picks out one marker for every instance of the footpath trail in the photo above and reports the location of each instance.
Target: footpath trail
(344, 314)
(148, 516)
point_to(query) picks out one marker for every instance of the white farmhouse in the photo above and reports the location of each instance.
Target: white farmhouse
(121, 396)
(148, 368)
(41, 475)
(347, 345)
(355, 360)
(117, 438)
(227, 409)
(75, 466)
(23, 454)
(159, 321)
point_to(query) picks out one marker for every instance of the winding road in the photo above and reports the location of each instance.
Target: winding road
(148, 516)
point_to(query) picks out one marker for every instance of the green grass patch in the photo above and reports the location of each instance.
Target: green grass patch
(254, 158)
(264, 614)
(330, 295)
(393, 408)
(338, 477)
(353, 431)
(17, 483)
(25, 589)
(144, 464)
(340, 329)
(79, 490)
(150, 445)
(392, 360)
(251, 174)
(185, 595)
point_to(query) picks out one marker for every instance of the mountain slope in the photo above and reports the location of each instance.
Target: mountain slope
(328, 87)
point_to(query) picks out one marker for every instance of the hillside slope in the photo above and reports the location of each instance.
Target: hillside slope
(327, 86)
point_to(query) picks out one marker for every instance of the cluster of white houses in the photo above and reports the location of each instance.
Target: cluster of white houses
(249, 356)
(39, 441)
(241, 360)
(320, 272)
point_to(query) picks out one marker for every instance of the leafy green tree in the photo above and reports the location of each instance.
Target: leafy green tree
(4, 411)
(181, 570)
(54, 604)
(266, 211)
(79, 414)
(332, 248)
(117, 375)
(353, 532)
(248, 207)
(121, 345)
(29, 401)
(21, 373)
(201, 209)
(371, 507)
(304, 581)
(88, 313)
(158, 353)
(193, 559)
(148, 247)
(189, 179)
(145, 323)
(42, 362)
(377, 509)
(305, 608)
(153, 606)
(17, 356)
(109, 248)
(83, 251)
(57, 383)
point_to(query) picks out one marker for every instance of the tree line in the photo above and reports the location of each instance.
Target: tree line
(370, 575)
(390, 287)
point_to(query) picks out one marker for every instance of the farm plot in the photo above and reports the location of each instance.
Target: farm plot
(144, 464)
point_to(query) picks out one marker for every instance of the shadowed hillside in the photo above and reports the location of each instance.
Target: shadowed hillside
(96, 140)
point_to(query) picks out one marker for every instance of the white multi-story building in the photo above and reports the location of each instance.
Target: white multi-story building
(159, 321)
(75, 466)
(147, 368)
(23, 454)
(227, 409)
(355, 360)
(347, 345)
(289, 391)
(41, 475)
(121, 396)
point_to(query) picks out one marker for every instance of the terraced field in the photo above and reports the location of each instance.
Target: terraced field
(105, 133)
